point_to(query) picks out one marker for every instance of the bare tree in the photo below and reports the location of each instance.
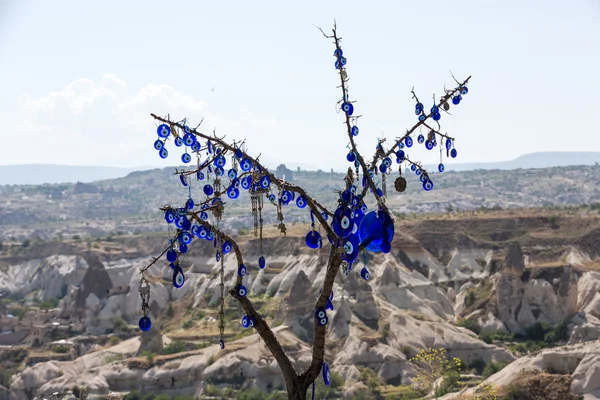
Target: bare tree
(352, 229)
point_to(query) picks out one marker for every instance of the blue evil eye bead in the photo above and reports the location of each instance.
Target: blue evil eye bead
(408, 141)
(441, 167)
(348, 108)
(186, 158)
(246, 182)
(325, 216)
(264, 182)
(186, 237)
(364, 273)
(202, 232)
(220, 161)
(382, 168)
(329, 305)
(178, 277)
(429, 145)
(285, 196)
(342, 221)
(423, 178)
(351, 246)
(196, 146)
(343, 61)
(321, 315)
(178, 142)
(222, 344)
(179, 222)
(186, 129)
(186, 225)
(245, 322)
(183, 248)
(453, 153)
(418, 172)
(210, 236)
(422, 117)
(428, 185)
(337, 64)
(261, 262)
(218, 255)
(375, 228)
(413, 167)
(400, 154)
(163, 153)
(163, 130)
(232, 174)
(226, 247)
(171, 255)
(464, 90)
(204, 216)
(245, 165)
(241, 291)
(145, 324)
(387, 162)
(448, 144)
(210, 147)
(189, 139)
(364, 208)
(272, 198)
(219, 171)
(418, 108)
(200, 175)
(338, 53)
(208, 190)
(313, 240)
(420, 139)
(242, 270)
(436, 116)
(169, 216)
(189, 204)
(209, 168)
(326, 374)
(183, 180)
(158, 145)
(456, 100)
(233, 193)
(238, 153)
(351, 156)
(195, 229)
(434, 109)
(301, 202)
(354, 130)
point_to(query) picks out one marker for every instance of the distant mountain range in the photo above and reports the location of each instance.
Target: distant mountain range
(37, 174)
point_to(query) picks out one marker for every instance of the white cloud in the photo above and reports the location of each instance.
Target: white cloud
(106, 122)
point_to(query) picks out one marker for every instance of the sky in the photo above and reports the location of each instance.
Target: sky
(78, 80)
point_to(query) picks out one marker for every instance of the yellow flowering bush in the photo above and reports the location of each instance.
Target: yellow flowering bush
(430, 365)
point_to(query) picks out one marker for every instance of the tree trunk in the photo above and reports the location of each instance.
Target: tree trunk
(295, 392)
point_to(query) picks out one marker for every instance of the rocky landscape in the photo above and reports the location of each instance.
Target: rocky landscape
(475, 283)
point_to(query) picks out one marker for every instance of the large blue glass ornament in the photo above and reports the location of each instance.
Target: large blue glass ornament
(436, 116)
(202, 232)
(413, 167)
(163, 130)
(400, 156)
(382, 168)
(178, 277)
(210, 236)
(456, 100)
(145, 324)
(238, 153)
(375, 228)
(408, 141)
(186, 237)
(158, 145)
(262, 262)
(418, 107)
(186, 129)
(286, 197)
(313, 240)
(272, 198)
(351, 156)
(453, 153)
(186, 158)
(326, 374)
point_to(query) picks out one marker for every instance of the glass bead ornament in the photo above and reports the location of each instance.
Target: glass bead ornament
(241, 291)
(158, 145)
(221, 344)
(189, 139)
(186, 158)
(245, 165)
(453, 153)
(163, 153)
(321, 315)
(186, 237)
(351, 246)
(178, 277)
(183, 180)
(208, 190)
(262, 262)
(313, 240)
(341, 223)
(301, 202)
(351, 156)
(456, 100)
(226, 247)
(354, 130)
(145, 324)
(429, 145)
(375, 228)
(428, 185)
(364, 273)
(196, 147)
(441, 167)
(169, 216)
(233, 193)
(171, 255)
(232, 174)
(348, 108)
(408, 141)
(242, 270)
(264, 182)
(246, 182)
(200, 175)
(183, 248)
(178, 142)
(464, 90)
(326, 374)
(420, 139)
(436, 116)
(163, 130)
(245, 322)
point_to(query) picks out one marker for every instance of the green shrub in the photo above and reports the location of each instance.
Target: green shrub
(176, 346)
(471, 324)
(493, 367)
